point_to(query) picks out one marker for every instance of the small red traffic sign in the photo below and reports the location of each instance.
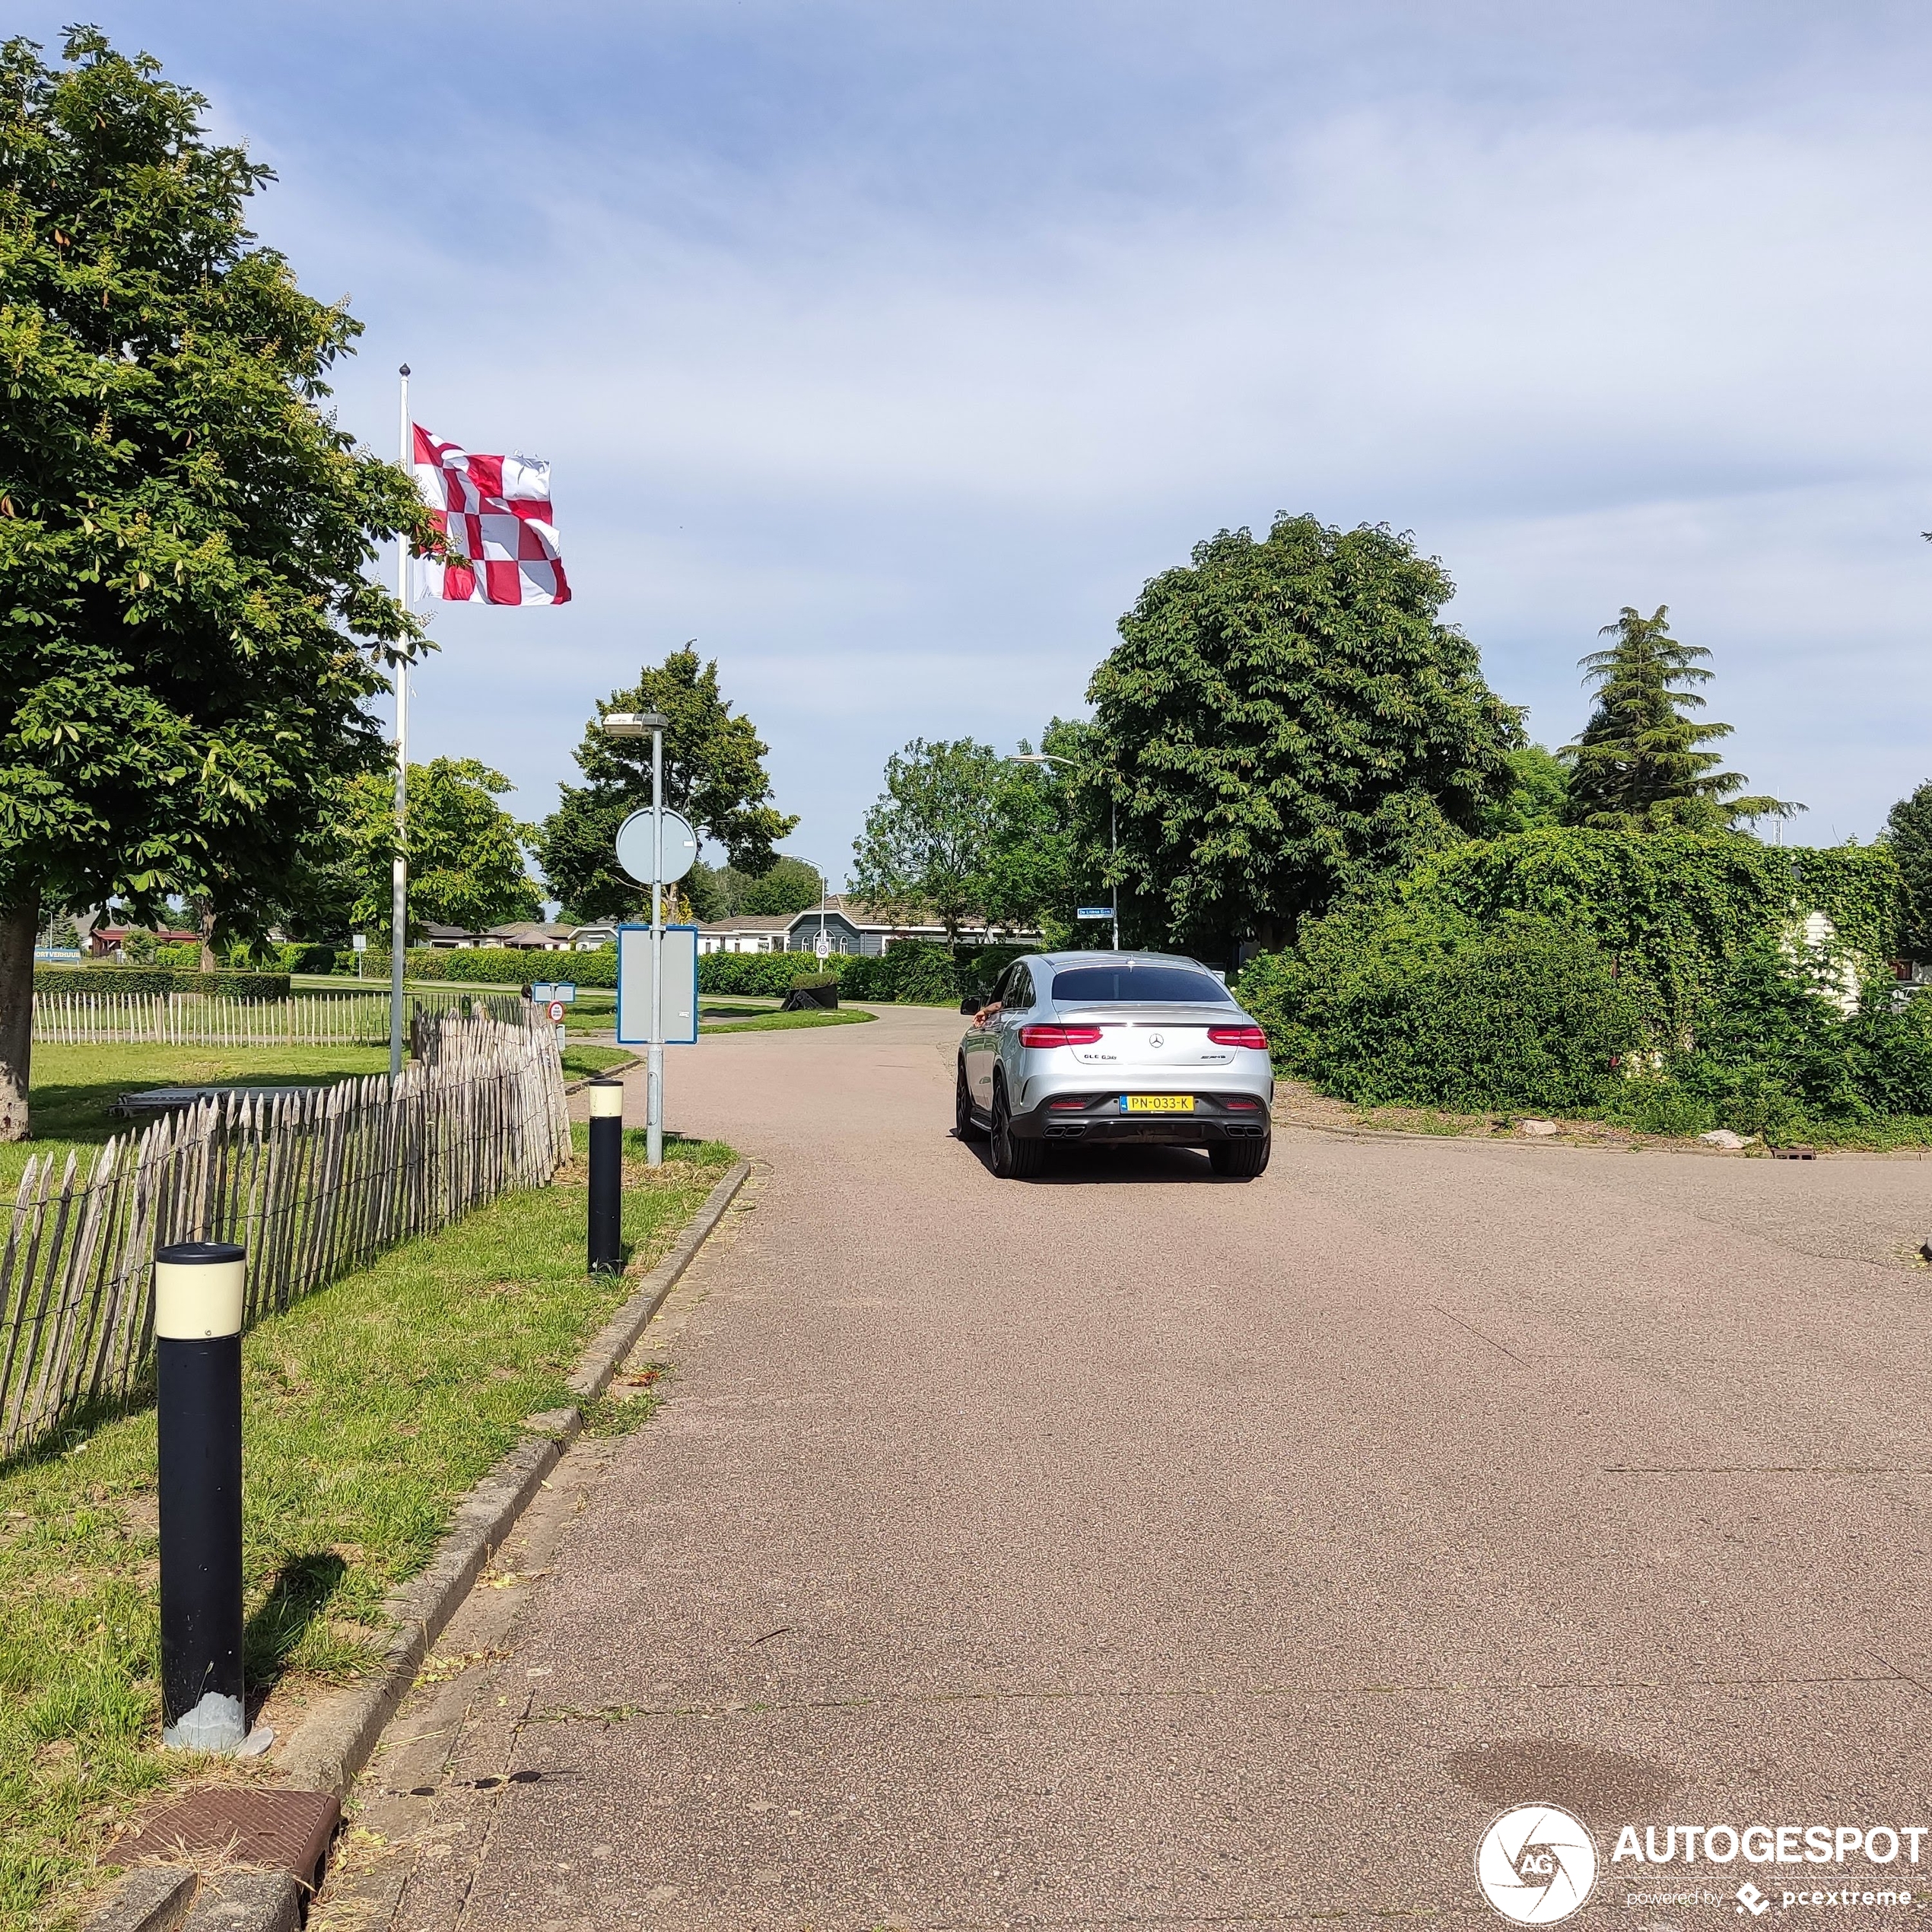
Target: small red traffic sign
(557, 1011)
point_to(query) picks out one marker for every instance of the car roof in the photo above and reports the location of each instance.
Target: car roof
(1057, 960)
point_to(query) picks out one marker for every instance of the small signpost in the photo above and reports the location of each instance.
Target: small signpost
(544, 992)
(1094, 912)
(822, 946)
(636, 844)
(359, 942)
(636, 1000)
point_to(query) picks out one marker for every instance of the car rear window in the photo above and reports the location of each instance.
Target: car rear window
(1103, 985)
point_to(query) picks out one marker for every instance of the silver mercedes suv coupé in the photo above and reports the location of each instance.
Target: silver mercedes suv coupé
(1108, 1047)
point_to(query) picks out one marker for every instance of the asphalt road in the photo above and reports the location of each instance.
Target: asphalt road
(1137, 1548)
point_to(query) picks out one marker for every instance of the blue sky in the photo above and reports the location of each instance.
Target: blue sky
(887, 350)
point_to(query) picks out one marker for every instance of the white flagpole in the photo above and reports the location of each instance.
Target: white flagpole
(399, 874)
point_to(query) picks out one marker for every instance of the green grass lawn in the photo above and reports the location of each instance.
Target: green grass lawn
(74, 1086)
(370, 1409)
(581, 1063)
(776, 1023)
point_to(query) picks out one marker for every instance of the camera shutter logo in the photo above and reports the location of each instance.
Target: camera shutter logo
(1536, 1864)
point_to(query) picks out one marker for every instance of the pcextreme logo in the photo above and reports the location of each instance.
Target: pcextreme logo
(1536, 1864)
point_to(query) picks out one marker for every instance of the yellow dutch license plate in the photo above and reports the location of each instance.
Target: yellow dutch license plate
(1157, 1103)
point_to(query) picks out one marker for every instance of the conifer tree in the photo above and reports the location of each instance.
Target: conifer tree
(1643, 763)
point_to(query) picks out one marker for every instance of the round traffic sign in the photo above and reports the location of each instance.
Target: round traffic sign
(634, 841)
(557, 1011)
(822, 947)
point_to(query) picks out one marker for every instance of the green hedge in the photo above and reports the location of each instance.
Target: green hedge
(500, 965)
(768, 973)
(298, 958)
(226, 985)
(1508, 973)
(1677, 909)
(1389, 1009)
(914, 972)
(185, 956)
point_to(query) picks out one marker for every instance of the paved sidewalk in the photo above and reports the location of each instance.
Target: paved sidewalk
(1134, 1548)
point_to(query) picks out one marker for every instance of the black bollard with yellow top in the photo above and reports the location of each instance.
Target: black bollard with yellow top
(606, 1231)
(199, 1289)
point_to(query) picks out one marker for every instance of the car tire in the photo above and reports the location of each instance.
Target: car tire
(1013, 1159)
(1241, 1160)
(964, 1125)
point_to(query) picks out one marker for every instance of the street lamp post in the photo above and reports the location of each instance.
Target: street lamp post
(1112, 828)
(634, 724)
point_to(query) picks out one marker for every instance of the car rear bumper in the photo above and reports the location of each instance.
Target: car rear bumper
(1216, 1118)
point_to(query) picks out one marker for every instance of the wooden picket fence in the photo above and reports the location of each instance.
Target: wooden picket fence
(351, 1019)
(313, 1182)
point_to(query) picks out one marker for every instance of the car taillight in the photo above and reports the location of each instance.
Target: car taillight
(1060, 1035)
(1238, 1036)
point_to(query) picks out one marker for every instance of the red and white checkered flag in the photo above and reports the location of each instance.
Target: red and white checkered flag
(495, 512)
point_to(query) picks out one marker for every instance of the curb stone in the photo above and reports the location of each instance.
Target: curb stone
(246, 1901)
(150, 1899)
(332, 1744)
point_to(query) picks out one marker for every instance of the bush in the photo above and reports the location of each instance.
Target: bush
(180, 956)
(1662, 1106)
(497, 965)
(914, 972)
(1677, 910)
(770, 973)
(161, 980)
(922, 974)
(1389, 1007)
(1770, 1054)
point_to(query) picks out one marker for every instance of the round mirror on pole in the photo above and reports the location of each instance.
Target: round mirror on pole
(635, 841)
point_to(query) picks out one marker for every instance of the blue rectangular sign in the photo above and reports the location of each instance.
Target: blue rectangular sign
(1095, 912)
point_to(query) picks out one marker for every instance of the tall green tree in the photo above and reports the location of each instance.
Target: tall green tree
(1643, 763)
(1908, 832)
(724, 892)
(924, 847)
(961, 832)
(190, 635)
(1283, 719)
(466, 850)
(713, 773)
(1047, 850)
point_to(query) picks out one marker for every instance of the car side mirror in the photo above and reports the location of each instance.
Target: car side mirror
(970, 1006)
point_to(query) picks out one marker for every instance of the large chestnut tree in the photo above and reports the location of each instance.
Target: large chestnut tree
(188, 633)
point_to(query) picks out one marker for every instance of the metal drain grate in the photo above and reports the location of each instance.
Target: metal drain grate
(278, 1830)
